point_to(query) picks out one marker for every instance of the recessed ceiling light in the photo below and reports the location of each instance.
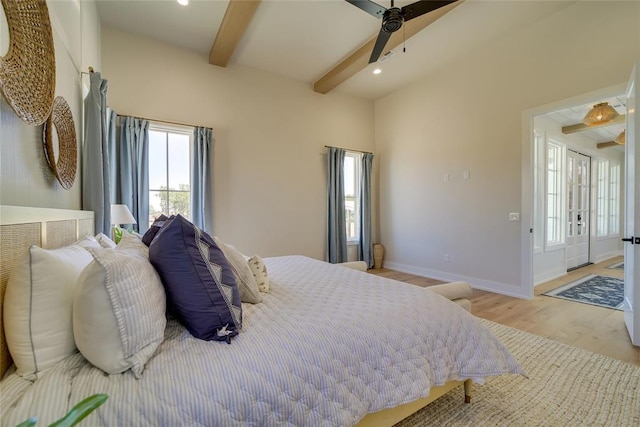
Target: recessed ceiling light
(377, 71)
(183, 2)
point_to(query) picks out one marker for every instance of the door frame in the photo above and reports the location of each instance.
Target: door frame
(526, 203)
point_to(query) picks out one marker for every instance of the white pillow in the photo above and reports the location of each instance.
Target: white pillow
(259, 270)
(246, 282)
(105, 241)
(119, 308)
(88, 241)
(38, 304)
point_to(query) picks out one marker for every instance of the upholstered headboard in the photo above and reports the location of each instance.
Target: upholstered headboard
(21, 227)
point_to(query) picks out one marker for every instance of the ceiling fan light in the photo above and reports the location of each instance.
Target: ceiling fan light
(599, 114)
(377, 71)
(622, 138)
(392, 20)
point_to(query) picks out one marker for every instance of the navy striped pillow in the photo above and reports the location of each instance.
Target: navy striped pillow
(200, 286)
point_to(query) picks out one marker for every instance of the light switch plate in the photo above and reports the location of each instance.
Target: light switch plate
(514, 216)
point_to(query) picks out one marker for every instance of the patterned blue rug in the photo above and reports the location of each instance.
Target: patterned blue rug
(596, 290)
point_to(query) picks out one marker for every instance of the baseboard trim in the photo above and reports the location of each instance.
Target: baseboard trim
(476, 283)
(604, 257)
(548, 276)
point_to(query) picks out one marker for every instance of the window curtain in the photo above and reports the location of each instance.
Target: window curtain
(112, 119)
(133, 169)
(95, 155)
(201, 179)
(365, 247)
(336, 227)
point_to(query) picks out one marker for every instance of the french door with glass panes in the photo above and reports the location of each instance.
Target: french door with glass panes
(578, 191)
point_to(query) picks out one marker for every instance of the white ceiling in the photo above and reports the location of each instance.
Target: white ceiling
(304, 39)
(574, 115)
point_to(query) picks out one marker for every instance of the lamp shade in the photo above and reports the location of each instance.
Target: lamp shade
(599, 114)
(622, 138)
(120, 214)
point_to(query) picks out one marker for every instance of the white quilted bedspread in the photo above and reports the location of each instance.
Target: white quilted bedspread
(325, 347)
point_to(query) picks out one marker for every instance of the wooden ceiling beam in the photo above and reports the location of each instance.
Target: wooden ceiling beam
(602, 145)
(234, 24)
(359, 60)
(579, 127)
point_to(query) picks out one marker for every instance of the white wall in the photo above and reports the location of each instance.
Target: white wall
(466, 116)
(26, 177)
(270, 132)
(552, 264)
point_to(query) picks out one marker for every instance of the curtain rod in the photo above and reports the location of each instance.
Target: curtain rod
(161, 121)
(349, 149)
(90, 71)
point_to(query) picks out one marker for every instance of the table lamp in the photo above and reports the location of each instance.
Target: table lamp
(120, 214)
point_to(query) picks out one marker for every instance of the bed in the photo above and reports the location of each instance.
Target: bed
(326, 346)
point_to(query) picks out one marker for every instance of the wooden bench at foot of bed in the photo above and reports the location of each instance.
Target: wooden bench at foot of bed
(389, 417)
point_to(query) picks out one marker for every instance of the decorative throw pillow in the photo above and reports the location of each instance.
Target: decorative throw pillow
(246, 282)
(38, 305)
(201, 289)
(88, 241)
(153, 229)
(105, 241)
(259, 271)
(119, 308)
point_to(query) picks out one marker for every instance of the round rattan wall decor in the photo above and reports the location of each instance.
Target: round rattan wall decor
(28, 71)
(65, 166)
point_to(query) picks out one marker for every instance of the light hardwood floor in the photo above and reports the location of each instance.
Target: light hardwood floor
(597, 329)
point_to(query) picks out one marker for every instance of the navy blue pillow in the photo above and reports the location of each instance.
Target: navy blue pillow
(153, 230)
(198, 280)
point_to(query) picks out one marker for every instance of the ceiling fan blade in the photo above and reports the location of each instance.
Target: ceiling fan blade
(381, 41)
(421, 7)
(370, 7)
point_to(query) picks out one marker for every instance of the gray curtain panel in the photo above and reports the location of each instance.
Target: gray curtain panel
(365, 248)
(133, 169)
(114, 154)
(201, 179)
(95, 156)
(336, 226)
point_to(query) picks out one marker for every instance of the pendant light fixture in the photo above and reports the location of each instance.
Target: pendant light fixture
(622, 138)
(600, 113)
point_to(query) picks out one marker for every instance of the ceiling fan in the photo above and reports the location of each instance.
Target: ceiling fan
(394, 17)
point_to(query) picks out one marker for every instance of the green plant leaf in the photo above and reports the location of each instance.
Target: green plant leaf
(28, 423)
(80, 411)
(117, 234)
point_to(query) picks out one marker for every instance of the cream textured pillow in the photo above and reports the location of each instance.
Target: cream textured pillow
(259, 270)
(119, 308)
(246, 282)
(38, 304)
(105, 241)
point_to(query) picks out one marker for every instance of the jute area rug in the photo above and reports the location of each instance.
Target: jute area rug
(567, 386)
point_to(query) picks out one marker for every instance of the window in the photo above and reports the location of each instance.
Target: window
(608, 199)
(169, 171)
(555, 193)
(602, 187)
(352, 195)
(614, 199)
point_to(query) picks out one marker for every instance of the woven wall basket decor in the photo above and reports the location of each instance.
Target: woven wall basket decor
(65, 166)
(28, 71)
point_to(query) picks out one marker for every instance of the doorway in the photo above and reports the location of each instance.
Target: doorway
(577, 185)
(620, 228)
(578, 210)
